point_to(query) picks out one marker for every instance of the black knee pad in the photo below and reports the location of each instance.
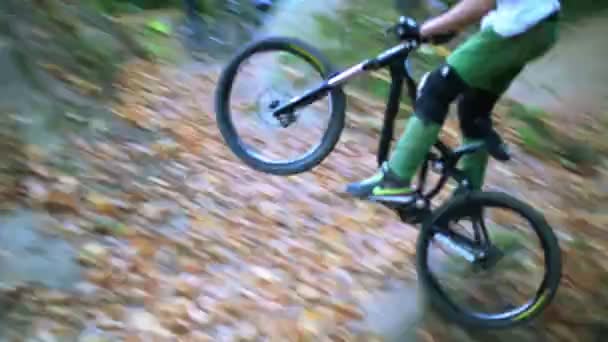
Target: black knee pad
(474, 112)
(436, 91)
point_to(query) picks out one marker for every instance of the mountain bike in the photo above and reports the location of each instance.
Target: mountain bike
(221, 27)
(463, 227)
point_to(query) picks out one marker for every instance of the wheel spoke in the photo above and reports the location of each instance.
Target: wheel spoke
(503, 284)
(265, 76)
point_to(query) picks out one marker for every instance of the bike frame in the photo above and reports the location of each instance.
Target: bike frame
(396, 59)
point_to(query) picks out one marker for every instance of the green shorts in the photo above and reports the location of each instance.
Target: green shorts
(490, 62)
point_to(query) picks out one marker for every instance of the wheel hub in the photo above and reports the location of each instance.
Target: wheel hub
(488, 258)
(269, 101)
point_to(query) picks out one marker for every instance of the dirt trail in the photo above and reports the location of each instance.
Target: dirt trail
(571, 78)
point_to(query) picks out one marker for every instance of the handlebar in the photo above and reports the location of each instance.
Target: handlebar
(403, 22)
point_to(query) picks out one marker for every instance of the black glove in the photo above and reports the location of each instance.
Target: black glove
(408, 29)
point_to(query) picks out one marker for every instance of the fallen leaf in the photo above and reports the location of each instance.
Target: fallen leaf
(61, 201)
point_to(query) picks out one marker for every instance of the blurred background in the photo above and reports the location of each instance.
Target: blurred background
(124, 217)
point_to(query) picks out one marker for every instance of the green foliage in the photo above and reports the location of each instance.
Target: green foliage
(577, 9)
(577, 153)
(536, 137)
(532, 141)
(357, 32)
(532, 117)
(541, 140)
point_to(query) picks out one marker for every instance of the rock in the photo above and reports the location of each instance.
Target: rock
(94, 254)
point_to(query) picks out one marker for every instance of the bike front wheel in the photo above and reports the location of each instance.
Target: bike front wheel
(261, 77)
(475, 264)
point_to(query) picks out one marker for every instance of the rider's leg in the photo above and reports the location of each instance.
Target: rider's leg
(431, 108)
(474, 113)
(436, 93)
(486, 61)
(489, 77)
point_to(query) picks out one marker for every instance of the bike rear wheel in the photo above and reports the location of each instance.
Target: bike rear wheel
(520, 298)
(301, 63)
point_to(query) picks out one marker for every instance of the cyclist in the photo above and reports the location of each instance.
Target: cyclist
(513, 33)
(194, 22)
(191, 6)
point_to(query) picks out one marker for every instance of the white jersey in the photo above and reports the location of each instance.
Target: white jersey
(512, 17)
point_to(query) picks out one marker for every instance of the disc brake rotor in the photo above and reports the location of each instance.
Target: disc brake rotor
(269, 100)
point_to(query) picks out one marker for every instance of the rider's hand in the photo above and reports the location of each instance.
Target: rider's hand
(408, 29)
